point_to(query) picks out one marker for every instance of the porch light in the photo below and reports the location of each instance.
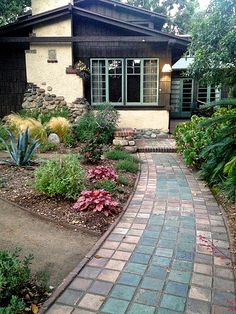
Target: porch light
(167, 68)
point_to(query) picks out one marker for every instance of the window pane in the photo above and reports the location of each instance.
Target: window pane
(98, 79)
(133, 88)
(115, 80)
(187, 95)
(150, 81)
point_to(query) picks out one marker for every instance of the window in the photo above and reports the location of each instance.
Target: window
(206, 94)
(120, 82)
(52, 56)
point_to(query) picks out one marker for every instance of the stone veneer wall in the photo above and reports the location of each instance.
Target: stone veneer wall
(44, 101)
(149, 133)
(125, 138)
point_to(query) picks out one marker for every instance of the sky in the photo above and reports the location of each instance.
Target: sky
(203, 3)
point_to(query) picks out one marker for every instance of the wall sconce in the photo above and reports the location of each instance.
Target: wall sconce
(166, 68)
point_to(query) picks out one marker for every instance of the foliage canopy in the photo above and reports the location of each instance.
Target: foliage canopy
(11, 9)
(213, 44)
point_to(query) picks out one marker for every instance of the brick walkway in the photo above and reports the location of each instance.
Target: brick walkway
(168, 254)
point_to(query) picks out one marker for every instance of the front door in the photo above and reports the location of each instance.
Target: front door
(181, 97)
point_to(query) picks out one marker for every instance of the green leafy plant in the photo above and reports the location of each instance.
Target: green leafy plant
(64, 177)
(118, 154)
(107, 185)
(99, 123)
(191, 139)
(222, 148)
(92, 151)
(15, 306)
(45, 117)
(123, 180)
(47, 147)
(127, 165)
(230, 182)
(86, 128)
(21, 149)
(70, 140)
(15, 275)
(106, 118)
(3, 135)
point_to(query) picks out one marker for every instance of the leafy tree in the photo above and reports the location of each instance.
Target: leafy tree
(213, 45)
(11, 9)
(179, 12)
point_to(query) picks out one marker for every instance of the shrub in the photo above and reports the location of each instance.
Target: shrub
(16, 123)
(107, 185)
(96, 201)
(230, 181)
(47, 147)
(15, 275)
(127, 165)
(92, 151)
(107, 118)
(102, 173)
(60, 126)
(70, 140)
(117, 154)
(63, 177)
(100, 123)
(222, 148)
(86, 128)
(123, 180)
(191, 139)
(3, 135)
(22, 148)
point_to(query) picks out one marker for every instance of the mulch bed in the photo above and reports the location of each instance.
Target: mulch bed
(16, 185)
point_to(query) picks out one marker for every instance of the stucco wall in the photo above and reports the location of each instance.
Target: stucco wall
(53, 75)
(39, 6)
(144, 119)
(60, 28)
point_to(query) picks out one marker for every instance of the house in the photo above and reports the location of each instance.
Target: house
(127, 53)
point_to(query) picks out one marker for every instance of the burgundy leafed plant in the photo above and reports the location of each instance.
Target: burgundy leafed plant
(97, 201)
(101, 173)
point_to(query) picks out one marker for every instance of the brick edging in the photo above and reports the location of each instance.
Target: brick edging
(65, 283)
(157, 150)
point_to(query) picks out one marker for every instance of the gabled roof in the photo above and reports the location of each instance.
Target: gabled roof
(69, 9)
(129, 7)
(30, 20)
(130, 26)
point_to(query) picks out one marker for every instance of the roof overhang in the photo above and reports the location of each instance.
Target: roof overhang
(69, 10)
(183, 63)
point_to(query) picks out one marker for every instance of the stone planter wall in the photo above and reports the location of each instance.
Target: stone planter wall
(36, 98)
(125, 138)
(149, 133)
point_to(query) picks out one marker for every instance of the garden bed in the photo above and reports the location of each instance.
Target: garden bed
(17, 186)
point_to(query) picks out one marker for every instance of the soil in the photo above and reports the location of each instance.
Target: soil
(16, 185)
(230, 210)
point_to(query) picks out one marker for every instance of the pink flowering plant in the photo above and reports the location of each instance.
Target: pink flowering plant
(102, 173)
(96, 201)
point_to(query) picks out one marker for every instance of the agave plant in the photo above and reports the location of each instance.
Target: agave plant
(21, 149)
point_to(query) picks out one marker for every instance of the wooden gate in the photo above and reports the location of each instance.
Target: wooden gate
(12, 78)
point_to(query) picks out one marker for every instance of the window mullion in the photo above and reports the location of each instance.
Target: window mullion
(141, 81)
(107, 80)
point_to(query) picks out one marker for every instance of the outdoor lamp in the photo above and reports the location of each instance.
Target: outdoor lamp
(166, 68)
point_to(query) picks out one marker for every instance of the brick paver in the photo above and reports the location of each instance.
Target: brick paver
(168, 254)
